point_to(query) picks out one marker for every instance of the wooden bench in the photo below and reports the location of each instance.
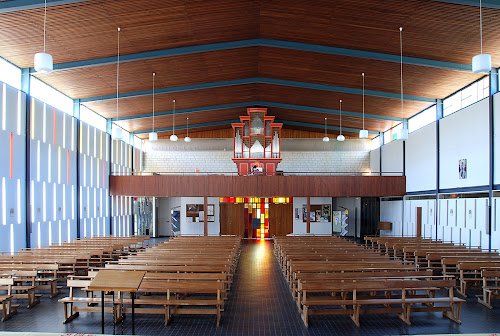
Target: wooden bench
(470, 273)
(491, 286)
(20, 292)
(350, 297)
(8, 309)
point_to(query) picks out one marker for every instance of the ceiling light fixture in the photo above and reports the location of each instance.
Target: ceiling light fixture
(403, 132)
(43, 61)
(187, 138)
(117, 131)
(481, 64)
(153, 136)
(340, 137)
(325, 138)
(173, 137)
(363, 134)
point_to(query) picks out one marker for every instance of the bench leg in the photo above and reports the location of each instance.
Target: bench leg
(304, 316)
(167, 314)
(218, 316)
(8, 309)
(454, 313)
(69, 315)
(485, 299)
(462, 290)
(33, 299)
(355, 314)
(405, 315)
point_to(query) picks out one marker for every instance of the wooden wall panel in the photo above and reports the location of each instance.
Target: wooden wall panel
(286, 186)
(231, 219)
(280, 219)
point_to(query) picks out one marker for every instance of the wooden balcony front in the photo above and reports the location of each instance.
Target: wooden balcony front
(219, 185)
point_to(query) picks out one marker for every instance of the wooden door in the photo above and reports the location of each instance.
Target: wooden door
(231, 219)
(418, 221)
(280, 219)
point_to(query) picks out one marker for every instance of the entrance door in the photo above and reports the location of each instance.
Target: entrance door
(231, 219)
(280, 219)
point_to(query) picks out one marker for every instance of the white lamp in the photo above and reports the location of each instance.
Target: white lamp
(173, 137)
(153, 136)
(43, 61)
(481, 64)
(187, 138)
(340, 137)
(325, 138)
(403, 132)
(117, 130)
(363, 134)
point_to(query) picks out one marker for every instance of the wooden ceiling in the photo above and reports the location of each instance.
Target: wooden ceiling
(215, 58)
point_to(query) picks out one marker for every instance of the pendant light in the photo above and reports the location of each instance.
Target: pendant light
(481, 64)
(187, 138)
(403, 133)
(340, 137)
(363, 134)
(117, 131)
(43, 61)
(173, 137)
(153, 136)
(325, 138)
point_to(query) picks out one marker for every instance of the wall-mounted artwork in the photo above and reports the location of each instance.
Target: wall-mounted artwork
(297, 213)
(462, 169)
(211, 218)
(210, 210)
(319, 213)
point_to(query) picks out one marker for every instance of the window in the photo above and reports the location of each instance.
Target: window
(375, 142)
(51, 96)
(422, 119)
(467, 96)
(90, 117)
(391, 134)
(10, 74)
(137, 142)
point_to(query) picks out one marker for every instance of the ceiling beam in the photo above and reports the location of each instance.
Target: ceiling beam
(210, 124)
(485, 3)
(257, 103)
(259, 80)
(261, 43)
(18, 5)
(228, 122)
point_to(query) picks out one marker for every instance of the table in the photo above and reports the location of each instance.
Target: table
(117, 281)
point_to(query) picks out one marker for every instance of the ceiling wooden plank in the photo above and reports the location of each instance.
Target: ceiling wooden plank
(18, 5)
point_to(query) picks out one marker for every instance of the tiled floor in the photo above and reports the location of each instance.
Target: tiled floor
(259, 304)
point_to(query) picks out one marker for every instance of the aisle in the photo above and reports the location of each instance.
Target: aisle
(260, 302)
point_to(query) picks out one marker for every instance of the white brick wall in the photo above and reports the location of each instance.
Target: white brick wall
(299, 155)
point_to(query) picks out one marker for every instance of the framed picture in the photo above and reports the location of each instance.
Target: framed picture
(210, 210)
(304, 213)
(319, 218)
(297, 213)
(462, 169)
(313, 216)
(192, 207)
(211, 218)
(325, 212)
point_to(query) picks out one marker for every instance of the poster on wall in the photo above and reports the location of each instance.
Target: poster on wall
(313, 216)
(304, 213)
(462, 169)
(210, 210)
(211, 218)
(325, 212)
(297, 213)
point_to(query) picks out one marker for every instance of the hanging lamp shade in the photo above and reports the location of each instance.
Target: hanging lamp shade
(117, 133)
(326, 139)
(340, 137)
(174, 137)
(363, 134)
(153, 136)
(402, 134)
(481, 64)
(187, 138)
(43, 62)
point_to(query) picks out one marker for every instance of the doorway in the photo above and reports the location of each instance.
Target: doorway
(256, 217)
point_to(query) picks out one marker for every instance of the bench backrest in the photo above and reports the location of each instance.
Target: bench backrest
(373, 285)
